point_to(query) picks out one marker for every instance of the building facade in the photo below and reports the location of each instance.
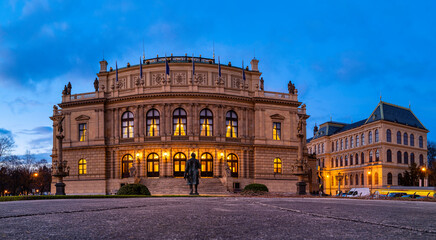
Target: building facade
(374, 152)
(144, 121)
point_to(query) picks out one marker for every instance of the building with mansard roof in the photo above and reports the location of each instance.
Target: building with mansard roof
(374, 152)
(142, 123)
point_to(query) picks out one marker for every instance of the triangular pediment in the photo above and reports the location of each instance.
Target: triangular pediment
(277, 116)
(82, 118)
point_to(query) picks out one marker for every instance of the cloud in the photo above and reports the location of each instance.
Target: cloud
(44, 142)
(38, 131)
(5, 132)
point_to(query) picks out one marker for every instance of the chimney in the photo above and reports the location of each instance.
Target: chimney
(254, 64)
(103, 66)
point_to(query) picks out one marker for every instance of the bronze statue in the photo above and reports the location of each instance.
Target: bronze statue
(96, 84)
(192, 174)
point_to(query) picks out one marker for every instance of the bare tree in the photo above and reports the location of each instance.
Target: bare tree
(6, 145)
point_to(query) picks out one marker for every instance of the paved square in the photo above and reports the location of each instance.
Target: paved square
(217, 218)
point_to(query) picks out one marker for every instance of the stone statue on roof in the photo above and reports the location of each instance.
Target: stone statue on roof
(64, 92)
(96, 84)
(69, 87)
(261, 83)
(291, 88)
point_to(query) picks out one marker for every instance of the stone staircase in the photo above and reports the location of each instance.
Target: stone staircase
(178, 186)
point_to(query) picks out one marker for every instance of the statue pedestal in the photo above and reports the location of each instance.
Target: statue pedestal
(60, 188)
(301, 188)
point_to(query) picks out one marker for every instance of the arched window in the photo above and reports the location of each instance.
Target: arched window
(346, 160)
(333, 146)
(400, 179)
(351, 142)
(277, 165)
(405, 139)
(389, 155)
(370, 156)
(179, 122)
(389, 179)
(126, 163)
(206, 122)
(231, 124)
(399, 157)
(412, 140)
(377, 155)
(362, 158)
(346, 143)
(153, 123)
(152, 165)
(342, 161)
(357, 141)
(82, 166)
(370, 137)
(351, 179)
(232, 161)
(421, 142)
(421, 160)
(406, 158)
(412, 158)
(206, 165)
(127, 125)
(179, 164)
(376, 135)
(357, 179)
(362, 182)
(388, 136)
(399, 137)
(363, 139)
(376, 178)
(357, 158)
(337, 165)
(351, 159)
(342, 144)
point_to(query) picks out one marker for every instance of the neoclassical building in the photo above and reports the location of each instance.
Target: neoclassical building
(143, 122)
(373, 152)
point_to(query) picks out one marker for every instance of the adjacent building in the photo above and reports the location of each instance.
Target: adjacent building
(143, 122)
(374, 152)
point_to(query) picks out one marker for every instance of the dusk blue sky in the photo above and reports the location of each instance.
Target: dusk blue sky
(341, 55)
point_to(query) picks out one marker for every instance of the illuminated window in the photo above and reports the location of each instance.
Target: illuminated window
(389, 156)
(179, 122)
(412, 140)
(153, 123)
(153, 165)
(206, 165)
(376, 135)
(377, 155)
(231, 124)
(82, 166)
(82, 132)
(388, 135)
(179, 164)
(399, 137)
(389, 179)
(363, 139)
(127, 163)
(370, 137)
(206, 122)
(376, 178)
(127, 125)
(406, 158)
(277, 130)
(277, 165)
(232, 161)
(405, 139)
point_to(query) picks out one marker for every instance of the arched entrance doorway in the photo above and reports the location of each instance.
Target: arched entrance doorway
(153, 165)
(206, 165)
(179, 164)
(127, 163)
(232, 161)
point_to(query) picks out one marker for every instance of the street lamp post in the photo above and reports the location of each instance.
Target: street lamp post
(369, 176)
(339, 178)
(424, 171)
(60, 168)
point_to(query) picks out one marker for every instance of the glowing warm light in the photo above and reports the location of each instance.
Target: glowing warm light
(423, 169)
(180, 128)
(328, 176)
(35, 174)
(222, 154)
(165, 154)
(369, 172)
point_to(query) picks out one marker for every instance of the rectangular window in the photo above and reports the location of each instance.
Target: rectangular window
(277, 131)
(82, 132)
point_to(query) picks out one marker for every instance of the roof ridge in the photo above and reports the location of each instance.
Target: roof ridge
(398, 106)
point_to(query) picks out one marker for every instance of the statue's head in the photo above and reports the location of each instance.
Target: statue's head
(193, 155)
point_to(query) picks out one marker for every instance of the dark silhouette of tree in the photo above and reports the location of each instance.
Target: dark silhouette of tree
(431, 156)
(411, 177)
(6, 145)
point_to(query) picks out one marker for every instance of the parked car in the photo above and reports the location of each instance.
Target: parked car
(396, 194)
(358, 192)
(411, 196)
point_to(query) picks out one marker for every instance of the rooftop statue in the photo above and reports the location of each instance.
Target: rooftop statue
(291, 88)
(96, 84)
